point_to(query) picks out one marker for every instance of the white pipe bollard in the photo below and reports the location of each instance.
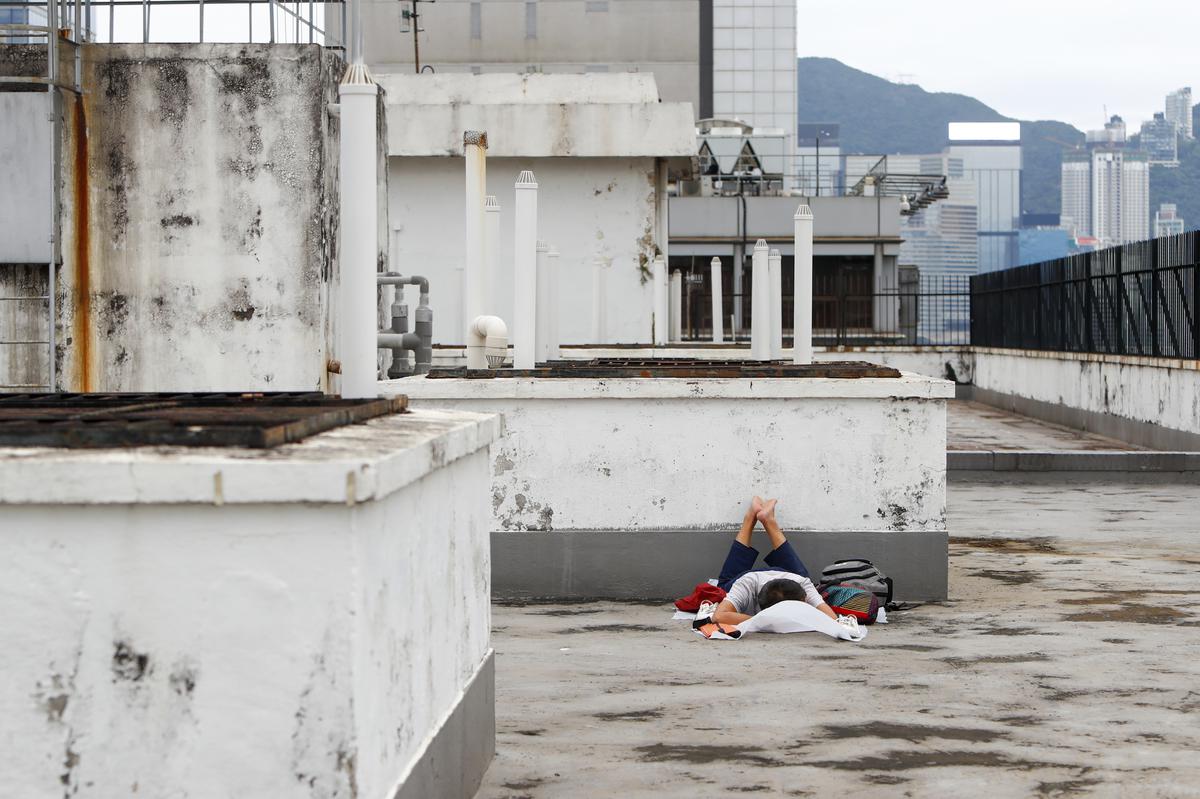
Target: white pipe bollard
(760, 304)
(661, 312)
(474, 272)
(599, 301)
(542, 331)
(491, 253)
(718, 303)
(775, 270)
(677, 306)
(802, 351)
(552, 309)
(524, 327)
(359, 237)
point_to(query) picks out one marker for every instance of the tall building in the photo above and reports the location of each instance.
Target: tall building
(1179, 110)
(1167, 221)
(1116, 184)
(553, 36)
(731, 59)
(1076, 193)
(991, 157)
(1160, 141)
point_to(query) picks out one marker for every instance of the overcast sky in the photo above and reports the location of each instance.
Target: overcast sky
(1029, 59)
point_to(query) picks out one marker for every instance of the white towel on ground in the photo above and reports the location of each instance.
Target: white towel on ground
(793, 616)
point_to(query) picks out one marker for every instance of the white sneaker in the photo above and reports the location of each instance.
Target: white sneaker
(849, 622)
(707, 609)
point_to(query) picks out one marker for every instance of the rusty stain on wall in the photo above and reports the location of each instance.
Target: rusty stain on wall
(81, 321)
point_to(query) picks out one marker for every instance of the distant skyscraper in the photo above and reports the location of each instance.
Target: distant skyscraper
(991, 157)
(1167, 221)
(1076, 193)
(1160, 140)
(1179, 110)
(1117, 190)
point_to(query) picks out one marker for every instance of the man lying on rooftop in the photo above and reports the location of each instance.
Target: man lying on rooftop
(752, 591)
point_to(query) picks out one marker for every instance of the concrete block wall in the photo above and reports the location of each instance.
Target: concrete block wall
(310, 622)
(199, 219)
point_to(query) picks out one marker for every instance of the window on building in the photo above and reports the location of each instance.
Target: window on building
(530, 20)
(476, 20)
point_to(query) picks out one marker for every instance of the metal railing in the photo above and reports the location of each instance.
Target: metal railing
(1137, 299)
(849, 309)
(265, 21)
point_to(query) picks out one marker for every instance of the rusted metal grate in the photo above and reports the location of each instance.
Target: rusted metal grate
(88, 421)
(678, 367)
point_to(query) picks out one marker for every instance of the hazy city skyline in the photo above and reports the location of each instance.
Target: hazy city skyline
(1074, 59)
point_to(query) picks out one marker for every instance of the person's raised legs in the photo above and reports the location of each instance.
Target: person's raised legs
(766, 515)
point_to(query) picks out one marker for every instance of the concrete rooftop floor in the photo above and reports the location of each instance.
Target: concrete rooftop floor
(1065, 664)
(975, 426)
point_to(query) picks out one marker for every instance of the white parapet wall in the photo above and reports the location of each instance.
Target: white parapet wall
(848, 457)
(1143, 400)
(307, 621)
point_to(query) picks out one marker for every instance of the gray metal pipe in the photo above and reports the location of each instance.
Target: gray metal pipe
(399, 340)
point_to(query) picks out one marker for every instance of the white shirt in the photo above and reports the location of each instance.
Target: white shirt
(744, 591)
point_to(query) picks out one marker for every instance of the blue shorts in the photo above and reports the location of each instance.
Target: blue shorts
(741, 559)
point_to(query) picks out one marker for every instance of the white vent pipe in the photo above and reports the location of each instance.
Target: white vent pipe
(677, 305)
(760, 304)
(775, 270)
(491, 253)
(524, 333)
(359, 235)
(474, 275)
(599, 301)
(718, 304)
(542, 331)
(802, 351)
(661, 312)
(552, 308)
(488, 335)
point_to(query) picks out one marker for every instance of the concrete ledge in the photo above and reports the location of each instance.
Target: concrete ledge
(1070, 461)
(584, 564)
(455, 759)
(1143, 434)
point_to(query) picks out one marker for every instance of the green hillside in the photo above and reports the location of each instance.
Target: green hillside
(878, 116)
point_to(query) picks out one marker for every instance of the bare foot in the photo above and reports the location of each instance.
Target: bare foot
(756, 504)
(767, 512)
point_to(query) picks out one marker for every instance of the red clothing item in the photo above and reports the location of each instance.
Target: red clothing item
(704, 593)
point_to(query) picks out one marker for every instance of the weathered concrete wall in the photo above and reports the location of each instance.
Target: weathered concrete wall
(278, 639)
(664, 454)
(1159, 391)
(199, 219)
(587, 207)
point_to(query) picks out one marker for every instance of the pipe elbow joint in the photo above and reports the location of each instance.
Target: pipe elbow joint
(487, 345)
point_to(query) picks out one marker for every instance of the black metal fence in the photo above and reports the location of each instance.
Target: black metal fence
(1137, 299)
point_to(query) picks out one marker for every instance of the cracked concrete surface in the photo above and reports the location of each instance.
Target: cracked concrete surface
(1064, 665)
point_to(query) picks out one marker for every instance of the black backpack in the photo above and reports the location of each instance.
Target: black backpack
(859, 573)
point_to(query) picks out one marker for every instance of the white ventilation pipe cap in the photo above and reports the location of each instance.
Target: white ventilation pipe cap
(803, 212)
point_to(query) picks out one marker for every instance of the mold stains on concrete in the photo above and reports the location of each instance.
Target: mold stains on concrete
(246, 81)
(171, 87)
(112, 314)
(504, 464)
(129, 665)
(526, 514)
(895, 515)
(182, 679)
(70, 762)
(115, 79)
(120, 172)
(177, 220)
